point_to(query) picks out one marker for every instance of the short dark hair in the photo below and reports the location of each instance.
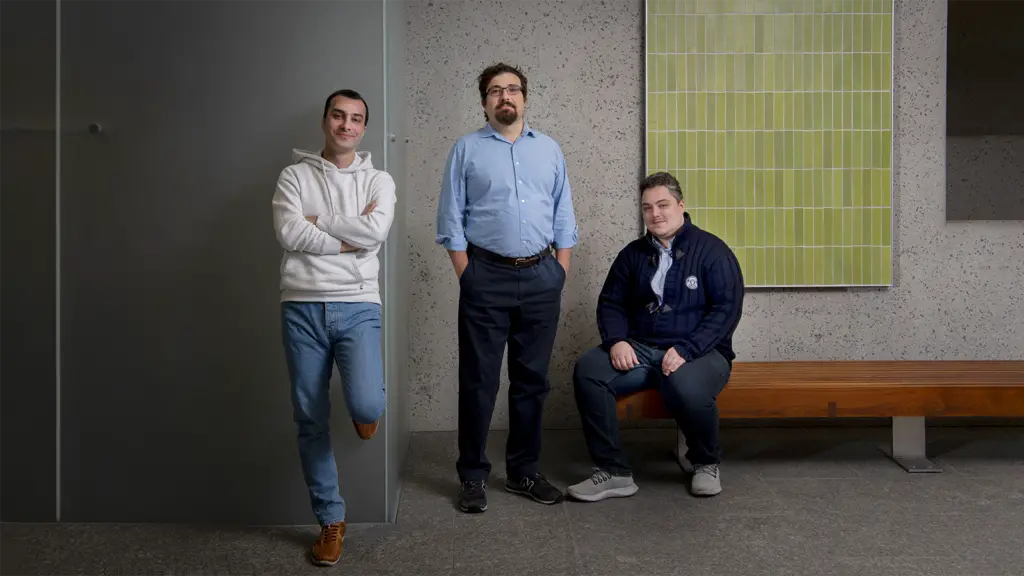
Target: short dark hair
(662, 179)
(500, 68)
(351, 95)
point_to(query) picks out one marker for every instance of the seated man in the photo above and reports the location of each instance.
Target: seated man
(666, 313)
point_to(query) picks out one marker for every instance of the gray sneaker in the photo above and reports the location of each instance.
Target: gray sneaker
(706, 481)
(603, 485)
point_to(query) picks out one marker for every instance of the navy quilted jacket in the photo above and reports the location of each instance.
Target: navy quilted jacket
(703, 296)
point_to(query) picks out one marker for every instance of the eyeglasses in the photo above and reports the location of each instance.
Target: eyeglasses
(512, 89)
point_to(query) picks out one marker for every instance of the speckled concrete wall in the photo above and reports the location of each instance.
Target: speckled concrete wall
(958, 285)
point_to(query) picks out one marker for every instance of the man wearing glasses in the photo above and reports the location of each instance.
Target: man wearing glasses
(506, 218)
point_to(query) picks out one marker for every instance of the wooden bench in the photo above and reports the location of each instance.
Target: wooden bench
(906, 391)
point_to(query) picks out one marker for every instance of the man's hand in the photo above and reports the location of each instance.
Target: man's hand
(623, 357)
(311, 220)
(671, 362)
(564, 256)
(460, 260)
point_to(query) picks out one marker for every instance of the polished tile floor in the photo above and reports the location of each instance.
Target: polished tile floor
(797, 501)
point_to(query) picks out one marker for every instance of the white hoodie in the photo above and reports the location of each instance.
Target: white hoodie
(313, 268)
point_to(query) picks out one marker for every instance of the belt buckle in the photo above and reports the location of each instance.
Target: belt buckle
(520, 260)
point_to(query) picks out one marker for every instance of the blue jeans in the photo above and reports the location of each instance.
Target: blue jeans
(317, 335)
(690, 395)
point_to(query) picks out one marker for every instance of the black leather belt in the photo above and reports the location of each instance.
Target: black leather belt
(520, 262)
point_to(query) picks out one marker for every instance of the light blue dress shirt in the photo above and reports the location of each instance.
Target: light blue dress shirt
(509, 198)
(664, 264)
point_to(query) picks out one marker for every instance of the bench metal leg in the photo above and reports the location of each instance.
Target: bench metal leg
(908, 445)
(680, 452)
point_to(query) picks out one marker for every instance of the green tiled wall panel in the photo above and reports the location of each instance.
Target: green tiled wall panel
(776, 116)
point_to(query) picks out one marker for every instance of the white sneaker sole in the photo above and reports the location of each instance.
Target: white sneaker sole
(610, 493)
(712, 492)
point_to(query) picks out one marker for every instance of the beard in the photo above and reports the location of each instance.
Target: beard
(506, 115)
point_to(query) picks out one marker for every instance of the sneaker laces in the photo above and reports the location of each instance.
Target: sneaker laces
(471, 485)
(600, 476)
(709, 469)
(538, 479)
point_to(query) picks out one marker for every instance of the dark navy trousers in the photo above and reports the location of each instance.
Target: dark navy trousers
(499, 305)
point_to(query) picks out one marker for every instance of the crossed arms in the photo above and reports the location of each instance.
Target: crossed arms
(332, 233)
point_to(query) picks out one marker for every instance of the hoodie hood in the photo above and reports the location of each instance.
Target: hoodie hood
(360, 163)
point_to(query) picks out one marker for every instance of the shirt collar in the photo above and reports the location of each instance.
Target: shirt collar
(488, 131)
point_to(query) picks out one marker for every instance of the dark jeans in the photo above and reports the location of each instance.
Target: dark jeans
(500, 304)
(689, 394)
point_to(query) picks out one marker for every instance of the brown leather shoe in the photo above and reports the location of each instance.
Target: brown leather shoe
(366, 431)
(327, 548)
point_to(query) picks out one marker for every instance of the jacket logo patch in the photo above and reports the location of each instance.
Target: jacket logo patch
(691, 282)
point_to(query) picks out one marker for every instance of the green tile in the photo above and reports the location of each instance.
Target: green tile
(660, 36)
(817, 266)
(713, 199)
(723, 117)
(691, 149)
(739, 228)
(670, 112)
(758, 265)
(886, 266)
(886, 225)
(789, 226)
(886, 35)
(728, 183)
(848, 228)
(838, 231)
(750, 150)
(720, 159)
(886, 146)
(824, 224)
(779, 119)
(886, 112)
(806, 261)
(848, 266)
(783, 188)
(857, 237)
(837, 32)
(807, 26)
(671, 35)
(701, 111)
(711, 112)
(727, 111)
(856, 149)
(749, 190)
(741, 260)
(799, 238)
(886, 72)
(818, 180)
(673, 151)
(770, 238)
(872, 232)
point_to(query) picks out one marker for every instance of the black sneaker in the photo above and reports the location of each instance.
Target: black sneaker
(473, 496)
(536, 487)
